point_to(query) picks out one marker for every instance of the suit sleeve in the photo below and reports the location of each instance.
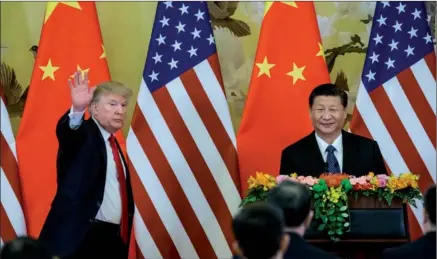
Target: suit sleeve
(286, 166)
(379, 165)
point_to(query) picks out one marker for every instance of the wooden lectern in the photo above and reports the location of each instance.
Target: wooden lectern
(374, 226)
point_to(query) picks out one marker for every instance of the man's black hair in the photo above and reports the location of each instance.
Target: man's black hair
(25, 248)
(294, 199)
(430, 205)
(258, 229)
(328, 90)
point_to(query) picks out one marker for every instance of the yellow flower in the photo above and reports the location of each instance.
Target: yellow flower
(293, 175)
(371, 174)
(261, 180)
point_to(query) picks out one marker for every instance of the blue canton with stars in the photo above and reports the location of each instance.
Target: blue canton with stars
(400, 37)
(181, 38)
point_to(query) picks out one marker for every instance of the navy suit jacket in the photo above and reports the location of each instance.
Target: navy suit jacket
(360, 156)
(81, 176)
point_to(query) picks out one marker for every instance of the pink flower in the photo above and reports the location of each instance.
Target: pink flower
(309, 181)
(382, 180)
(358, 180)
(281, 178)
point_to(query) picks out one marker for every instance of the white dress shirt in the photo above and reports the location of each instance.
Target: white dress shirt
(338, 144)
(110, 209)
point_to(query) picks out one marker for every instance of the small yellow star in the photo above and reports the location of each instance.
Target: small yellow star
(264, 68)
(49, 70)
(51, 6)
(269, 4)
(321, 51)
(296, 73)
(82, 72)
(103, 53)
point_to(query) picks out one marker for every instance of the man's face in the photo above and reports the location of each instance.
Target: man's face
(328, 115)
(110, 112)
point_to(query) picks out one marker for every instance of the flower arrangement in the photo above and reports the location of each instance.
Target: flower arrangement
(330, 194)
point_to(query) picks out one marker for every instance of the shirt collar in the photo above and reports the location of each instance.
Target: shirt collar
(338, 143)
(105, 134)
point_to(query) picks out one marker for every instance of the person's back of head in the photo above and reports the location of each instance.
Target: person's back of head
(259, 231)
(430, 208)
(294, 199)
(25, 248)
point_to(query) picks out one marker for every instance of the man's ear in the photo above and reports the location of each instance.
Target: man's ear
(237, 250)
(285, 242)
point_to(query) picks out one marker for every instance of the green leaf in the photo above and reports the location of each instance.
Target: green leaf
(340, 219)
(344, 215)
(344, 208)
(331, 211)
(332, 218)
(316, 195)
(339, 232)
(346, 224)
(324, 219)
(331, 232)
(321, 227)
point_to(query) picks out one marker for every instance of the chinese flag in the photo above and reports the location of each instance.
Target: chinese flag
(289, 64)
(70, 40)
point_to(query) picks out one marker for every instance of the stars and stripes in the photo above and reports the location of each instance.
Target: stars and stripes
(12, 221)
(396, 102)
(181, 144)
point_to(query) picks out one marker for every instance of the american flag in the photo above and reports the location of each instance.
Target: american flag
(181, 144)
(12, 221)
(396, 102)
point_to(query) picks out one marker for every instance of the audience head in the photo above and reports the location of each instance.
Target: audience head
(109, 105)
(259, 232)
(430, 207)
(328, 105)
(25, 248)
(294, 199)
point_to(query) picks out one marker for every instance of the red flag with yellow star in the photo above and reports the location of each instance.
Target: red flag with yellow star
(289, 64)
(70, 40)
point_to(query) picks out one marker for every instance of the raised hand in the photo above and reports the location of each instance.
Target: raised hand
(81, 93)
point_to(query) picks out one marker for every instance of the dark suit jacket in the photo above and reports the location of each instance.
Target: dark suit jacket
(422, 248)
(81, 176)
(300, 249)
(360, 156)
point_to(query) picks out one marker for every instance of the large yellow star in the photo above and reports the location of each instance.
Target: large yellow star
(82, 71)
(297, 73)
(51, 6)
(269, 4)
(103, 53)
(49, 70)
(321, 51)
(264, 68)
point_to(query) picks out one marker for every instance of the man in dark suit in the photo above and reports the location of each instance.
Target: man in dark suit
(424, 247)
(91, 214)
(294, 199)
(259, 232)
(330, 149)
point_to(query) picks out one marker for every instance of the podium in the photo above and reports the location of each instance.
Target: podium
(374, 226)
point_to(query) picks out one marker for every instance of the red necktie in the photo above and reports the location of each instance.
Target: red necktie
(123, 193)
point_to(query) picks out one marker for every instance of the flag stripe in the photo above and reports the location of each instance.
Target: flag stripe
(200, 161)
(215, 66)
(222, 142)
(153, 229)
(400, 136)
(218, 99)
(7, 232)
(359, 127)
(144, 238)
(6, 129)
(379, 131)
(411, 123)
(178, 111)
(419, 103)
(9, 167)
(431, 63)
(11, 204)
(159, 181)
(424, 76)
(414, 228)
(215, 128)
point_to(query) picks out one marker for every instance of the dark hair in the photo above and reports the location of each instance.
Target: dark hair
(259, 228)
(430, 200)
(328, 90)
(294, 199)
(25, 248)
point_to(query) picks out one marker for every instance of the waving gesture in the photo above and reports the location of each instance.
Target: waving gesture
(81, 93)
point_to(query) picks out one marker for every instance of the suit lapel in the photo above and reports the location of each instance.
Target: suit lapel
(349, 153)
(316, 162)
